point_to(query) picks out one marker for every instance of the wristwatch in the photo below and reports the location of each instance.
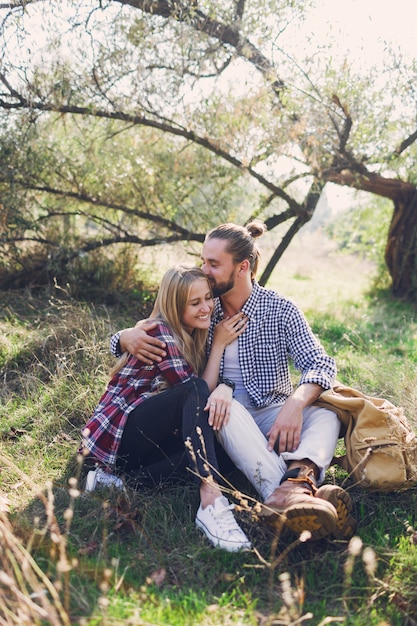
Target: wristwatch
(228, 382)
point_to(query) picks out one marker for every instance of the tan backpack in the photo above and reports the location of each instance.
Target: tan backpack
(381, 446)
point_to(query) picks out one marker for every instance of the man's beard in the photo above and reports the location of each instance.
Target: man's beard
(219, 289)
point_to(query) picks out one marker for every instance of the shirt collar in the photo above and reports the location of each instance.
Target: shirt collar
(249, 308)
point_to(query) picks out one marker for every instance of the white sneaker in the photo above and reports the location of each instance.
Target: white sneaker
(220, 527)
(100, 477)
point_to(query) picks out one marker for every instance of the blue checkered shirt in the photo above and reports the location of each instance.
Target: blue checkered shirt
(277, 334)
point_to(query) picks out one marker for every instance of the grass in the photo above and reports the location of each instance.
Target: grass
(136, 558)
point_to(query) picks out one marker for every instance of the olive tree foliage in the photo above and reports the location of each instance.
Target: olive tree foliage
(148, 121)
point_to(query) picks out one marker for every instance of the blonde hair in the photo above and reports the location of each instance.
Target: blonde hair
(169, 307)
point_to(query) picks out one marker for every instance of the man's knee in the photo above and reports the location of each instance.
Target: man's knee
(240, 424)
(324, 419)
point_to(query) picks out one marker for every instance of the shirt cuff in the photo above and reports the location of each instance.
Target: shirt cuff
(115, 345)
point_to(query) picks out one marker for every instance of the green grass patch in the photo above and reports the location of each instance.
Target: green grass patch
(136, 557)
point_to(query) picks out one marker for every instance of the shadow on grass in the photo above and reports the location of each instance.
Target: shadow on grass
(108, 552)
(139, 549)
(136, 557)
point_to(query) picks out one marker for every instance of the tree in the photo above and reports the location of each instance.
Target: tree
(215, 89)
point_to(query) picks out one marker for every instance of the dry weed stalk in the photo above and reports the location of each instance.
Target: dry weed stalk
(27, 595)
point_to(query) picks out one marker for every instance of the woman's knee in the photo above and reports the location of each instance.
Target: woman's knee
(199, 387)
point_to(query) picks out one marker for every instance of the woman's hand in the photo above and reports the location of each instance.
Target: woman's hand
(218, 405)
(226, 331)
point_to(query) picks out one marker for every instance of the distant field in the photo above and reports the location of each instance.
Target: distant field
(316, 275)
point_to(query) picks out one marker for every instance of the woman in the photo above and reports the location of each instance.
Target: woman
(132, 426)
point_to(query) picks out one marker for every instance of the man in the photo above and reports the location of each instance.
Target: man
(272, 432)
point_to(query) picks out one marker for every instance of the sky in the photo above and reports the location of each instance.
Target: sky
(358, 26)
(364, 25)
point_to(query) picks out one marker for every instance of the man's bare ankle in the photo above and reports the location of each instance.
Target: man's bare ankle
(304, 462)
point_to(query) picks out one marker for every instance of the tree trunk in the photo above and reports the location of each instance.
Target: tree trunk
(401, 248)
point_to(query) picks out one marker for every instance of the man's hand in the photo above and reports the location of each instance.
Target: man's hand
(146, 348)
(285, 434)
(218, 406)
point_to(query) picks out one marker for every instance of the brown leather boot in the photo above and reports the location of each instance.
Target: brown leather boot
(294, 505)
(346, 524)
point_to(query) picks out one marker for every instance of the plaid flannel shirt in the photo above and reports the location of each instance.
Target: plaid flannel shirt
(126, 390)
(277, 333)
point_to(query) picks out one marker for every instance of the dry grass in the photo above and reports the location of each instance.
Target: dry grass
(317, 277)
(139, 553)
(27, 595)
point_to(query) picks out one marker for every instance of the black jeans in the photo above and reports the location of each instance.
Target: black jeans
(152, 446)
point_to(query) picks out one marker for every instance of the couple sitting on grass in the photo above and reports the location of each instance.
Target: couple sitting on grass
(212, 363)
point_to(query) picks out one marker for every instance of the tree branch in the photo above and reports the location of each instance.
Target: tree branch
(347, 126)
(364, 180)
(282, 246)
(18, 4)
(22, 102)
(405, 144)
(240, 7)
(102, 242)
(225, 33)
(84, 197)
(209, 144)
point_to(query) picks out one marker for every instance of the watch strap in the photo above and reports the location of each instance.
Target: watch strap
(228, 382)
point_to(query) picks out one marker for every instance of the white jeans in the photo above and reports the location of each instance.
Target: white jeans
(244, 440)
